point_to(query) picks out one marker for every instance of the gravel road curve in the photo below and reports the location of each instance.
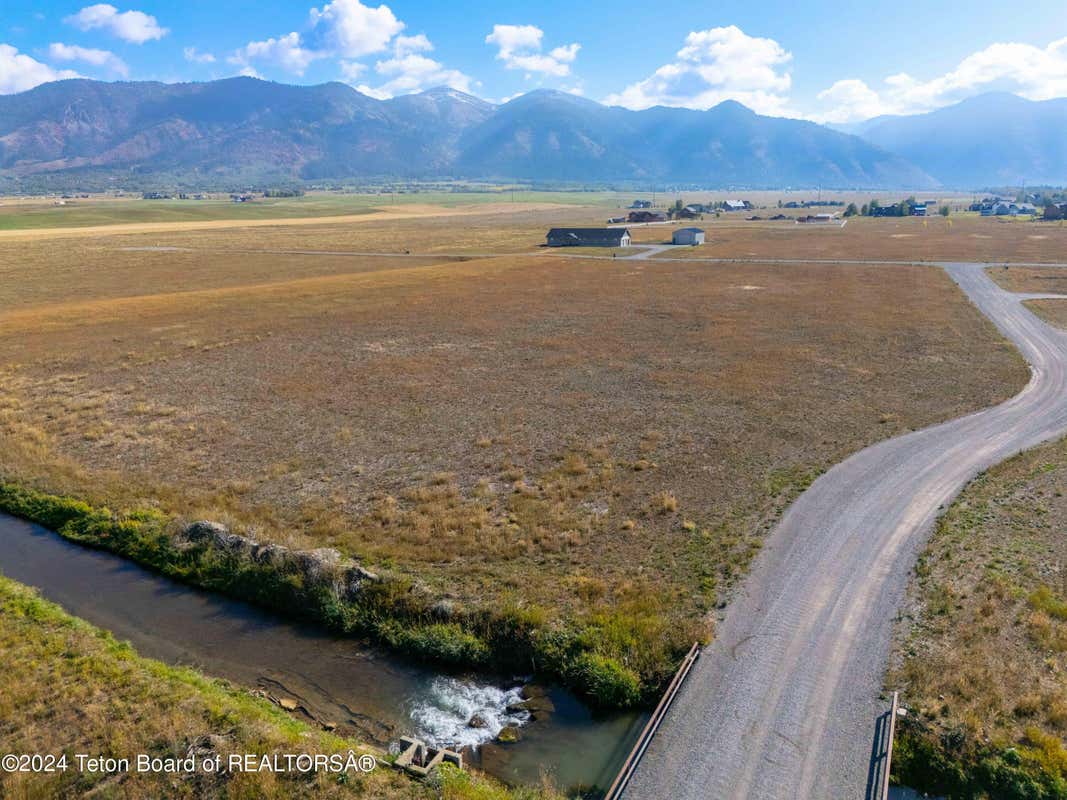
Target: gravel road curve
(782, 705)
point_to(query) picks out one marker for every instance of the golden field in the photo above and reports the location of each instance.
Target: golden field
(571, 433)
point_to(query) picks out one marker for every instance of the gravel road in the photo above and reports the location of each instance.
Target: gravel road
(783, 703)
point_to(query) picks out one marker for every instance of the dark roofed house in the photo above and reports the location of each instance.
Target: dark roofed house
(1055, 211)
(646, 216)
(588, 237)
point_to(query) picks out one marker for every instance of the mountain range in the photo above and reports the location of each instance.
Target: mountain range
(237, 131)
(994, 139)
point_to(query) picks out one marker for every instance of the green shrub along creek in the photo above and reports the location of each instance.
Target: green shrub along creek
(601, 658)
(948, 766)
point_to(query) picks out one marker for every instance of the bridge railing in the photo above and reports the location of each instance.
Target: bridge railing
(882, 752)
(649, 731)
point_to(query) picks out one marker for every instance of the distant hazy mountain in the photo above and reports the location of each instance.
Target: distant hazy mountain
(547, 134)
(243, 129)
(991, 139)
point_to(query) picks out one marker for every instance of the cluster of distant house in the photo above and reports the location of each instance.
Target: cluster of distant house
(169, 196)
(641, 211)
(736, 205)
(812, 203)
(236, 197)
(646, 216)
(62, 201)
(999, 207)
(905, 208)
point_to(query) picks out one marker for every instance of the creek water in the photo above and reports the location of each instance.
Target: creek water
(350, 683)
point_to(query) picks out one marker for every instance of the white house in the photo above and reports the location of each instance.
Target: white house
(689, 236)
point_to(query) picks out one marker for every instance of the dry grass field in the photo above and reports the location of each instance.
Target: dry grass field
(578, 435)
(1052, 311)
(35, 213)
(1037, 280)
(28, 213)
(983, 654)
(1050, 280)
(906, 239)
(381, 214)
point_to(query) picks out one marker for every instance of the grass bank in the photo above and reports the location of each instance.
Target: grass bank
(981, 655)
(615, 659)
(69, 688)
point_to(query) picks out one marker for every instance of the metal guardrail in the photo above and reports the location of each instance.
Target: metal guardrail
(889, 745)
(885, 729)
(649, 731)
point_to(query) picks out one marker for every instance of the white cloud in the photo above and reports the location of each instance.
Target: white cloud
(130, 26)
(406, 71)
(414, 73)
(402, 45)
(1033, 72)
(286, 52)
(19, 72)
(196, 57)
(353, 29)
(519, 47)
(512, 38)
(348, 30)
(715, 65)
(351, 70)
(98, 58)
(851, 99)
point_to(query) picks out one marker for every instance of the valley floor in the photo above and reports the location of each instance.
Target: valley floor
(594, 445)
(600, 441)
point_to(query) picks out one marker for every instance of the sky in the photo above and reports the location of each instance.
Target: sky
(831, 64)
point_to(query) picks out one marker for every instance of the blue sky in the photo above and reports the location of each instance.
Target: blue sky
(829, 63)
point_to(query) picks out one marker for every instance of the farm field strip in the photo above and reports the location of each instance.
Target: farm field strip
(383, 214)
